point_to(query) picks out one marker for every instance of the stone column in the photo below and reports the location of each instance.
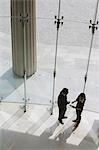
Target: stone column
(23, 32)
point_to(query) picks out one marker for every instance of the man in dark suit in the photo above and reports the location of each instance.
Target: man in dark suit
(62, 104)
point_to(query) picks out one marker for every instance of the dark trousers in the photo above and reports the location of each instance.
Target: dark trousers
(61, 113)
(78, 115)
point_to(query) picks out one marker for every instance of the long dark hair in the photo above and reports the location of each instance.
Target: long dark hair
(82, 95)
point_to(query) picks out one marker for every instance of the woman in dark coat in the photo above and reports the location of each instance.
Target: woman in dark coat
(62, 104)
(79, 106)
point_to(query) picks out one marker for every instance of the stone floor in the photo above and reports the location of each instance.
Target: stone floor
(37, 129)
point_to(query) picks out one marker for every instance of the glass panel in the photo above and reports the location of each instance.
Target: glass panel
(78, 10)
(10, 83)
(4, 8)
(41, 82)
(46, 9)
(72, 57)
(92, 88)
(73, 51)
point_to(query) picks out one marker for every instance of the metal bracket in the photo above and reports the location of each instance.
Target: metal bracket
(24, 18)
(93, 26)
(58, 21)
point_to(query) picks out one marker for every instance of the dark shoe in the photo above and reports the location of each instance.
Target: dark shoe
(60, 121)
(74, 120)
(65, 117)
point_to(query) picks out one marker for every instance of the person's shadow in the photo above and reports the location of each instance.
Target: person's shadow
(62, 137)
(49, 131)
(66, 134)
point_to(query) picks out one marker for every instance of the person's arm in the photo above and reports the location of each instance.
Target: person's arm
(68, 102)
(73, 106)
(74, 101)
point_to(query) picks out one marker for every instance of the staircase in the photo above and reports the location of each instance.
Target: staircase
(12, 117)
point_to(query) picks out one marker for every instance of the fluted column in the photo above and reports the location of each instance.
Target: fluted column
(23, 31)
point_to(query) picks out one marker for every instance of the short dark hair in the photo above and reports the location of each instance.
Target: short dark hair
(65, 90)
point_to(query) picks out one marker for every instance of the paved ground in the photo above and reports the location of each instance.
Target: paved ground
(37, 129)
(18, 141)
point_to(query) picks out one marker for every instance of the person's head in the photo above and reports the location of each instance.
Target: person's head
(83, 96)
(65, 91)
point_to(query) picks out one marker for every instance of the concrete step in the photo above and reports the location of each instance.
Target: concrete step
(30, 120)
(7, 112)
(12, 119)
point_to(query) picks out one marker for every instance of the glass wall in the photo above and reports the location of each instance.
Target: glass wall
(74, 41)
(11, 85)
